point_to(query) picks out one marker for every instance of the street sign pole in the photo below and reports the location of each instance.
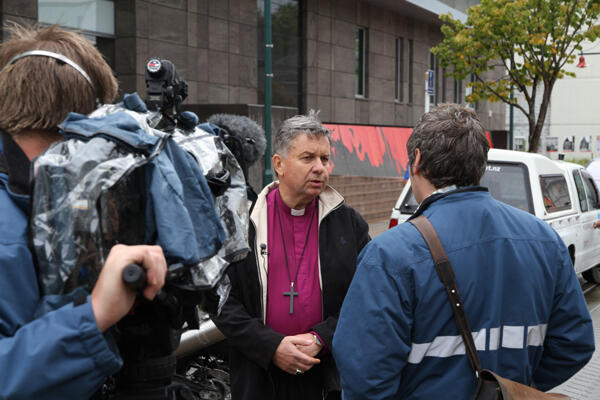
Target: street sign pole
(429, 88)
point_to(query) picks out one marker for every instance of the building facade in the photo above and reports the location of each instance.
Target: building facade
(362, 63)
(573, 123)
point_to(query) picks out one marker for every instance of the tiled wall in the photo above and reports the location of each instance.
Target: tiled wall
(213, 44)
(329, 72)
(373, 197)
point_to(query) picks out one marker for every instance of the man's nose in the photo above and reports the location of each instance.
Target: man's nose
(319, 167)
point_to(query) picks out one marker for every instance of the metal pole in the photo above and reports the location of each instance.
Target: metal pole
(268, 171)
(511, 119)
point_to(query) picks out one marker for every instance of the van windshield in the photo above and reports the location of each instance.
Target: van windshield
(507, 182)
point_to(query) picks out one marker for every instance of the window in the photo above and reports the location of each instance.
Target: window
(458, 96)
(106, 46)
(508, 183)
(437, 81)
(360, 57)
(555, 193)
(96, 16)
(591, 193)
(286, 26)
(519, 143)
(410, 71)
(580, 191)
(400, 69)
(443, 79)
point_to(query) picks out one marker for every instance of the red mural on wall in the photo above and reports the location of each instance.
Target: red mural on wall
(370, 150)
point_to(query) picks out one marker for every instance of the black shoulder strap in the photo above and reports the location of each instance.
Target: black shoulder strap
(446, 275)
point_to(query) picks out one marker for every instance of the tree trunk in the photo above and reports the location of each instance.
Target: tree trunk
(535, 127)
(534, 134)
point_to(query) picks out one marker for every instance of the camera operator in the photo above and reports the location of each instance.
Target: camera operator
(65, 353)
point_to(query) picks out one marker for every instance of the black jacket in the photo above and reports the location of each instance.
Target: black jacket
(342, 235)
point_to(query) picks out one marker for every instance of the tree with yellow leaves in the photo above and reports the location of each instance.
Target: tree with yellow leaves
(531, 40)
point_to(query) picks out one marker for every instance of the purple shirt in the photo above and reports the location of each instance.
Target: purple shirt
(307, 304)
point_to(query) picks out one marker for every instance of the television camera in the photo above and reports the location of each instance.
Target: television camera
(165, 89)
(146, 173)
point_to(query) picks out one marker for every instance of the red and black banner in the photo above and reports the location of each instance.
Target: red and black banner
(368, 150)
(365, 150)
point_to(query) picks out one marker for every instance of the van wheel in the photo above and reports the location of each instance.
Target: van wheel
(589, 275)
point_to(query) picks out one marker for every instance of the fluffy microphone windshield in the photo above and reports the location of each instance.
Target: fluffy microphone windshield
(251, 135)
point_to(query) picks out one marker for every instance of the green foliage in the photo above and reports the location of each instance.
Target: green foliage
(532, 40)
(580, 161)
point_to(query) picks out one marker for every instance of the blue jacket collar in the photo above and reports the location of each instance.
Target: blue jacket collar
(436, 196)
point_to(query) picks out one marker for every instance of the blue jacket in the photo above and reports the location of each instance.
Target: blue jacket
(59, 355)
(397, 338)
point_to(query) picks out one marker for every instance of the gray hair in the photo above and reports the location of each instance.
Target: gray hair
(452, 144)
(292, 127)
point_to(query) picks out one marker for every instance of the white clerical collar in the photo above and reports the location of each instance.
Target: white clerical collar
(297, 213)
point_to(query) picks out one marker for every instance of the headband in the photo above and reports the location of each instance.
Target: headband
(60, 58)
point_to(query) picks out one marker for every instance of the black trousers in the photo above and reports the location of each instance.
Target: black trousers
(306, 386)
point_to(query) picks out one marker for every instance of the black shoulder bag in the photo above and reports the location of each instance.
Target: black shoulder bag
(490, 385)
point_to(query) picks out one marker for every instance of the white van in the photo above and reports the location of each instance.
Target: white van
(561, 193)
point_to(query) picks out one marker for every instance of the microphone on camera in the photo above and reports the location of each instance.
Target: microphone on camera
(244, 137)
(246, 141)
(263, 250)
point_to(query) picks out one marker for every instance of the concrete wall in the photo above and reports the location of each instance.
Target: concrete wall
(213, 44)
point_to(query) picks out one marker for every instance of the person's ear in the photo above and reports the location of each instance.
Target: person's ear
(414, 167)
(278, 164)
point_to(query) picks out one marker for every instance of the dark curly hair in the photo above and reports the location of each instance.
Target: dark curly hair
(453, 146)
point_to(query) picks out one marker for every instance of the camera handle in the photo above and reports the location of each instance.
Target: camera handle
(134, 276)
(144, 375)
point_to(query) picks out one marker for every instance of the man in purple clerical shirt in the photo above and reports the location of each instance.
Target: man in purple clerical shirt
(281, 315)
